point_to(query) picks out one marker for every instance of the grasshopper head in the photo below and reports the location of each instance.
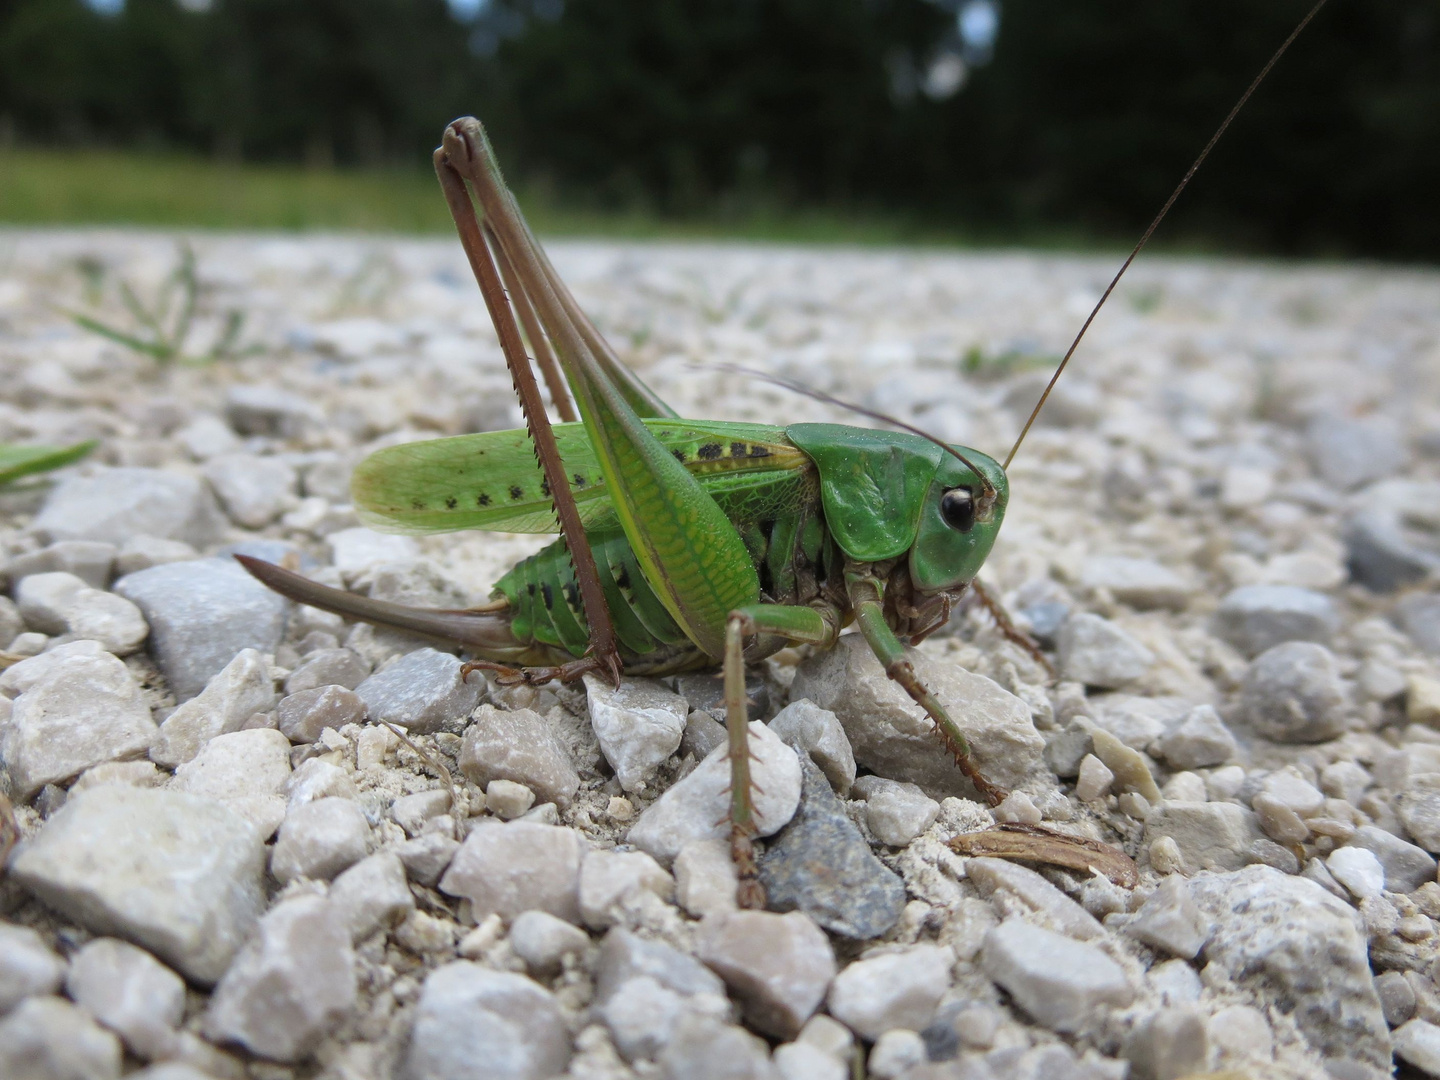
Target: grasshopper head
(959, 522)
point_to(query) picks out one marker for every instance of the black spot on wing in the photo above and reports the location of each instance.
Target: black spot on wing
(679, 456)
(416, 504)
(710, 451)
(451, 502)
(759, 451)
(482, 499)
(737, 449)
(516, 491)
(580, 481)
(623, 578)
(545, 486)
(548, 595)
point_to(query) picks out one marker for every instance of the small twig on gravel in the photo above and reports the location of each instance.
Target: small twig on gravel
(429, 759)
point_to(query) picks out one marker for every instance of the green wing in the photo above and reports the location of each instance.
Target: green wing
(492, 481)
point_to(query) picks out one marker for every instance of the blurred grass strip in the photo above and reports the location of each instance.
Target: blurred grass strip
(43, 187)
(103, 187)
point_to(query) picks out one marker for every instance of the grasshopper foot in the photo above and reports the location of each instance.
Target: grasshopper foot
(506, 675)
(749, 894)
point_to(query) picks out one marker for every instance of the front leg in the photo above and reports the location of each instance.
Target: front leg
(866, 600)
(800, 625)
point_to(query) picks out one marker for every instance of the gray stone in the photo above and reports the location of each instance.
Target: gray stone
(1096, 652)
(142, 552)
(301, 717)
(89, 560)
(328, 667)
(508, 800)
(1254, 618)
(253, 490)
(698, 806)
(502, 1024)
(518, 866)
(1292, 693)
(703, 733)
(426, 857)
(112, 505)
(246, 771)
(131, 993)
(1170, 921)
(317, 778)
(891, 735)
(543, 941)
(1021, 883)
(641, 1017)
(1287, 941)
(28, 967)
(1140, 583)
(802, 1061)
(1418, 807)
(615, 884)
(207, 436)
(1407, 867)
(1173, 1043)
(1210, 835)
(1094, 779)
(1358, 870)
(895, 1052)
(705, 692)
(519, 745)
(240, 690)
(373, 894)
(176, 874)
(319, 839)
(625, 955)
(61, 603)
(1055, 979)
(47, 1038)
(269, 410)
(82, 713)
(638, 726)
(414, 812)
(821, 865)
(894, 989)
(897, 813)
(1200, 740)
(778, 966)
(1419, 616)
(1418, 1043)
(1382, 554)
(421, 692)
(290, 986)
(706, 881)
(1348, 452)
(1067, 747)
(201, 614)
(705, 1048)
(806, 727)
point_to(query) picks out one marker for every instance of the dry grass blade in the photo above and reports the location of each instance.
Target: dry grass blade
(430, 759)
(1034, 843)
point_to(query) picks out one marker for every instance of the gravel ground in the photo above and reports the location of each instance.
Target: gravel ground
(259, 841)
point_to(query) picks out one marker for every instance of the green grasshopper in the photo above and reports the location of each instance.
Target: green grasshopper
(684, 544)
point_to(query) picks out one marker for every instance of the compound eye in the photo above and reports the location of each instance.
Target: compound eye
(957, 507)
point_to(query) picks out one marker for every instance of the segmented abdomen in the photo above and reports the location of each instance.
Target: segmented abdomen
(545, 605)
(546, 608)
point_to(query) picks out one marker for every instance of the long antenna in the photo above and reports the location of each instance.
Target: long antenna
(1156, 223)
